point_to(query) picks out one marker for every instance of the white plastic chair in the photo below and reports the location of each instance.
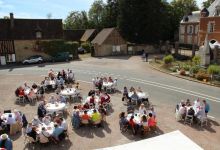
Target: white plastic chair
(188, 119)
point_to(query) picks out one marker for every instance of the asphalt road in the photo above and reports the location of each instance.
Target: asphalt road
(130, 71)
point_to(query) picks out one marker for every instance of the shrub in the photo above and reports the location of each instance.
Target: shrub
(181, 57)
(86, 46)
(201, 75)
(196, 60)
(55, 46)
(194, 69)
(186, 67)
(173, 69)
(168, 59)
(214, 69)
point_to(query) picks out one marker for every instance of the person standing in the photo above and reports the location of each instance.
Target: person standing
(146, 56)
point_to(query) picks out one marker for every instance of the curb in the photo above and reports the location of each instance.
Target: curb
(178, 76)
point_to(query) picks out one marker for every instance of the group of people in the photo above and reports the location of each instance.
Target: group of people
(199, 109)
(98, 82)
(12, 122)
(51, 129)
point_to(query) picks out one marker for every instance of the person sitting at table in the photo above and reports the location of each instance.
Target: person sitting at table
(46, 81)
(61, 81)
(110, 79)
(123, 120)
(197, 103)
(71, 76)
(100, 83)
(133, 125)
(200, 113)
(62, 99)
(33, 133)
(134, 96)
(188, 103)
(139, 89)
(152, 111)
(57, 131)
(86, 106)
(182, 111)
(76, 119)
(77, 86)
(11, 122)
(142, 109)
(26, 86)
(151, 121)
(105, 98)
(103, 112)
(31, 95)
(207, 107)
(21, 91)
(35, 121)
(5, 142)
(85, 117)
(41, 110)
(63, 74)
(44, 136)
(125, 93)
(59, 75)
(57, 119)
(46, 120)
(132, 89)
(130, 107)
(34, 86)
(64, 124)
(144, 124)
(95, 116)
(29, 128)
(92, 99)
(52, 99)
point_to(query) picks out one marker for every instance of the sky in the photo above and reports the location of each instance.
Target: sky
(59, 9)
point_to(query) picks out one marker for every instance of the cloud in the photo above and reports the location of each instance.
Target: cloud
(4, 5)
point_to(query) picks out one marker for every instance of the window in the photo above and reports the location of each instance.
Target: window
(113, 48)
(38, 35)
(182, 29)
(211, 27)
(10, 57)
(118, 48)
(190, 29)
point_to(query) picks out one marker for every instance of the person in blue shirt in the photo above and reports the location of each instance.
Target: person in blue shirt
(6, 142)
(207, 107)
(57, 131)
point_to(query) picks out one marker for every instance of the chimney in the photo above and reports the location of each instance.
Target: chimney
(11, 20)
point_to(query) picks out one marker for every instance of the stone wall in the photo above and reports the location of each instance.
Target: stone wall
(107, 50)
(25, 49)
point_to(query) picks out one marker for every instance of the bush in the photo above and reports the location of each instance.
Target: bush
(168, 59)
(186, 67)
(196, 60)
(56, 46)
(201, 75)
(181, 57)
(194, 69)
(173, 69)
(214, 69)
(86, 46)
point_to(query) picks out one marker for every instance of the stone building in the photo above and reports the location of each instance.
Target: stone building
(109, 42)
(19, 38)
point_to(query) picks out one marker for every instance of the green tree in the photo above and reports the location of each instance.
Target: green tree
(76, 20)
(207, 3)
(96, 14)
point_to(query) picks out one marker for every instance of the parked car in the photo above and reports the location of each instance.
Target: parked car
(62, 56)
(33, 59)
(81, 50)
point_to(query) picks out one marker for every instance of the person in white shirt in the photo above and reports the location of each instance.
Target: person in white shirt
(44, 136)
(142, 109)
(182, 110)
(26, 86)
(11, 120)
(71, 76)
(29, 128)
(64, 125)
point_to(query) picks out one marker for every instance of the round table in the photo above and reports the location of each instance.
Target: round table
(5, 115)
(107, 84)
(68, 92)
(55, 107)
(137, 118)
(97, 100)
(141, 95)
(49, 128)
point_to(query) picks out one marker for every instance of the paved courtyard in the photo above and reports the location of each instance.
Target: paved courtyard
(165, 91)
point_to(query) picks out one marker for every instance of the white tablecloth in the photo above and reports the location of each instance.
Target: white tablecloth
(5, 115)
(97, 100)
(141, 95)
(55, 107)
(137, 118)
(49, 128)
(107, 84)
(69, 92)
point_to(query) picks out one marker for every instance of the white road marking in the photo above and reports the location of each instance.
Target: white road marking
(210, 117)
(15, 74)
(84, 81)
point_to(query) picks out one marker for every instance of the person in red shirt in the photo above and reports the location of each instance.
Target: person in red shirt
(21, 91)
(92, 99)
(86, 106)
(133, 125)
(151, 121)
(85, 116)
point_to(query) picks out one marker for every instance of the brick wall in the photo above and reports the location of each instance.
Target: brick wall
(203, 29)
(26, 48)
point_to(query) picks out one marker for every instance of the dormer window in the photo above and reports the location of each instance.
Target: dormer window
(38, 34)
(190, 29)
(211, 27)
(217, 11)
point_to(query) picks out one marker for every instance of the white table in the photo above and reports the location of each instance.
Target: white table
(55, 107)
(69, 92)
(5, 115)
(49, 128)
(107, 84)
(141, 95)
(97, 100)
(137, 118)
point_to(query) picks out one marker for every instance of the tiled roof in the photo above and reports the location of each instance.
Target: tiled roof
(194, 17)
(86, 36)
(102, 36)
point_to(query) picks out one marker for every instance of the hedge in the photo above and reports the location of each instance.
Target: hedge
(214, 69)
(168, 59)
(86, 46)
(55, 46)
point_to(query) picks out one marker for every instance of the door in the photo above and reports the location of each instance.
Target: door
(3, 60)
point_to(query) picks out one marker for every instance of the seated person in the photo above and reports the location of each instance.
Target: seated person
(52, 99)
(26, 86)
(29, 128)
(77, 86)
(46, 81)
(123, 120)
(105, 98)
(188, 103)
(134, 96)
(201, 113)
(33, 133)
(64, 124)
(85, 116)
(95, 116)
(133, 125)
(182, 110)
(62, 99)
(21, 91)
(125, 93)
(139, 89)
(57, 131)
(71, 76)
(34, 86)
(91, 92)
(103, 112)
(92, 99)
(57, 120)
(46, 120)
(44, 136)
(35, 121)
(191, 111)
(152, 111)
(5, 142)
(10, 120)
(130, 107)
(142, 109)
(59, 75)
(144, 121)
(151, 121)
(132, 89)
(86, 106)
(110, 79)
